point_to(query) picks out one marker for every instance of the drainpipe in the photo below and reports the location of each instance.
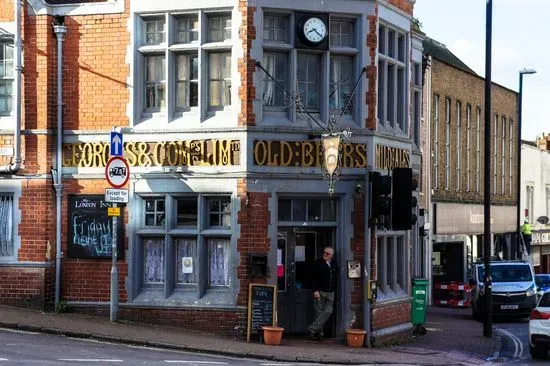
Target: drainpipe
(60, 31)
(15, 164)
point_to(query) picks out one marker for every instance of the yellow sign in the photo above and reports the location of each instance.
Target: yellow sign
(305, 154)
(161, 153)
(113, 211)
(391, 157)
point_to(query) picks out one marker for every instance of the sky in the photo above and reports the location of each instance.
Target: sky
(521, 39)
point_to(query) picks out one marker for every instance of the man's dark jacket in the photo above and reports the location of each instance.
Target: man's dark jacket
(324, 277)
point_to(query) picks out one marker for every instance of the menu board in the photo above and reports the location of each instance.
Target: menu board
(262, 307)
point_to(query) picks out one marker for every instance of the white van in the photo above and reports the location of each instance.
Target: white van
(513, 289)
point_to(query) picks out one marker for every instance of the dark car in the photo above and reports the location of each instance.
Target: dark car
(542, 281)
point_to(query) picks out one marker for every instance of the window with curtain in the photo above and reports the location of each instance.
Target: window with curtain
(447, 142)
(155, 31)
(218, 259)
(342, 32)
(276, 63)
(186, 261)
(155, 82)
(187, 94)
(6, 226)
(276, 28)
(468, 145)
(186, 243)
(219, 28)
(6, 78)
(435, 183)
(219, 80)
(458, 145)
(154, 260)
(188, 28)
(503, 157)
(341, 84)
(309, 80)
(478, 149)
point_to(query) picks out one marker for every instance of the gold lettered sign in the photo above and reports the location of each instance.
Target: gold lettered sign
(305, 154)
(162, 153)
(391, 157)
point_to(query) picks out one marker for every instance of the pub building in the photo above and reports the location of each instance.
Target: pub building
(226, 112)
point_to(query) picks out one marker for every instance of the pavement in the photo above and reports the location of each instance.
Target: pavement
(452, 338)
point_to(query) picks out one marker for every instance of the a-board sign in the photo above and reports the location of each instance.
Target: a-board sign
(262, 307)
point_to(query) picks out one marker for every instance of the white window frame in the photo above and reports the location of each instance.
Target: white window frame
(530, 201)
(7, 78)
(468, 146)
(170, 47)
(416, 100)
(436, 142)
(447, 143)
(503, 157)
(478, 149)
(392, 273)
(458, 146)
(392, 109)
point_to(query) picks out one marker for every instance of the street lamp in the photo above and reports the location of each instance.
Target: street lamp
(518, 176)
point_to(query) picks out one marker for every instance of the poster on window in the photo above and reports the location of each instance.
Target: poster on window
(90, 231)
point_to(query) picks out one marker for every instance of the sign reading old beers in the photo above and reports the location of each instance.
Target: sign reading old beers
(305, 154)
(162, 153)
(391, 157)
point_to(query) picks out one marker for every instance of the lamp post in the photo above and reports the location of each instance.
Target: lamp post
(518, 175)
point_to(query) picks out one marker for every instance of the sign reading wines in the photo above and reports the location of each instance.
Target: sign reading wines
(262, 307)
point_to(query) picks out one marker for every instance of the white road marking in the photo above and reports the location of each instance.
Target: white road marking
(88, 360)
(518, 344)
(3, 359)
(197, 362)
(18, 331)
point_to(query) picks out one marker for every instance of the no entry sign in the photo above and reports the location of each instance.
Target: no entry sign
(117, 172)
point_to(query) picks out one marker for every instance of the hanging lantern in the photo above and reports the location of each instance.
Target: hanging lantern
(331, 159)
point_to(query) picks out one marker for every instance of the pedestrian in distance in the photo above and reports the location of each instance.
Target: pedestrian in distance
(324, 279)
(526, 231)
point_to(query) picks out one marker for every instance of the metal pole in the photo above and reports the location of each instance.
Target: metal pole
(114, 272)
(488, 321)
(518, 173)
(366, 276)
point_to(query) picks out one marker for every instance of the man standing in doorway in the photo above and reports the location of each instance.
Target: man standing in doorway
(324, 277)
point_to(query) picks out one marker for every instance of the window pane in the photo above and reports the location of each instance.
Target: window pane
(308, 80)
(281, 264)
(299, 210)
(155, 82)
(314, 210)
(154, 212)
(219, 212)
(187, 91)
(187, 212)
(329, 210)
(401, 102)
(341, 84)
(218, 260)
(382, 39)
(401, 273)
(276, 28)
(380, 265)
(154, 31)
(391, 43)
(390, 268)
(381, 92)
(188, 29)
(187, 265)
(341, 33)
(401, 47)
(284, 210)
(6, 226)
(276, 63)
(220, 82)
(219, 28)
(153, 261)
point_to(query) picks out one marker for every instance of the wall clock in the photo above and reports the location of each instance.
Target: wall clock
(314, 30)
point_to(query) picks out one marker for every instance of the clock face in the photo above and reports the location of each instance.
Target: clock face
(314, 30)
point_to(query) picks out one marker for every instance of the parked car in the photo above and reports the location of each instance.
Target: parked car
(513, 290)
(543, 282)
(539, 328)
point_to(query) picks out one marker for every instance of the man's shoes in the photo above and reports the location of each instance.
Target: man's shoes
(315, 336)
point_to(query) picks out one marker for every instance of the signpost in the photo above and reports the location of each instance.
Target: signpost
(117, 173)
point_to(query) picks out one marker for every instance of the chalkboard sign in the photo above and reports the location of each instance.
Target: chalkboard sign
(262, 307)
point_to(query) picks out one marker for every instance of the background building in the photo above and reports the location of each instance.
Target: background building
(455, 107)
(225, 164)
(535, 198)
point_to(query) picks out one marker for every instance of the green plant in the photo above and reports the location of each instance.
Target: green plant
(417, 23)
(61, 307)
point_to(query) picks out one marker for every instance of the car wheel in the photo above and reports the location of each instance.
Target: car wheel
(538, 352)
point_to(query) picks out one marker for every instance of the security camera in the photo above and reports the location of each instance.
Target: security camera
(358, 188)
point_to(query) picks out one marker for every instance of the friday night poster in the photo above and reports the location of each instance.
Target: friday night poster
(90, 231)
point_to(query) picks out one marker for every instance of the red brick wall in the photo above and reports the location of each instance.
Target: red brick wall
(22, 286)
(221, 321)
(385, 315)
(254, 224)
(372, 71)
(404, 5)
(247, 66)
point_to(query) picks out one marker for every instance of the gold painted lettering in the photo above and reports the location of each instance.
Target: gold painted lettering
(87, 155)
(361, 161)
(143, 158)
(224, 155)
(67, 148)
(319, 153)
(172, 154)
(271, 157)
(260, 153)
(97, 151)
(131, 155)
(286, 152)
(159, 153)
(348, 158)
(184, 154)
(307, 154)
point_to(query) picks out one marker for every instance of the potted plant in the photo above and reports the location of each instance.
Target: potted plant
(355, 337)
(272, 333)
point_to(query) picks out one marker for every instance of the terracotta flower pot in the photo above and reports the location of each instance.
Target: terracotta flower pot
(272, 335)
(355, 337)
